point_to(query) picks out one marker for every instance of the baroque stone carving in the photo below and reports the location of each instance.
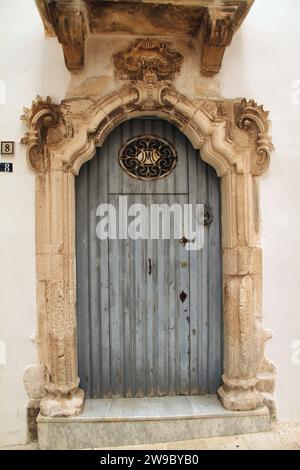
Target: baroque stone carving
(254, 119)
(218, 35)
(205, 124)
(213, 22)
(149, 60)
(43, 115)
(69, 24)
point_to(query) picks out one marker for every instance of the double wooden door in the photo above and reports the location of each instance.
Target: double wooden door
(149, 311)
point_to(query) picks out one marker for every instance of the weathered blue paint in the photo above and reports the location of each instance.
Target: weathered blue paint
(136, 337)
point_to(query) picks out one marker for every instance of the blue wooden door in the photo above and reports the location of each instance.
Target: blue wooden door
(149, 310)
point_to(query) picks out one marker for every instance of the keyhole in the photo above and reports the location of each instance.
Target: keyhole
(149, 266)
(184, 241)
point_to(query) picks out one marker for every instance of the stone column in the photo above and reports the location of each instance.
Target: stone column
(55, 258)
(242, 265)
(56, 278)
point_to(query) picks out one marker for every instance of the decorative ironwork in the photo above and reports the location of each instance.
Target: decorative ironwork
(148, 157)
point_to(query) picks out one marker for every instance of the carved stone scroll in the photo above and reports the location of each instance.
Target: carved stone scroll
(254, 119)
(149, 60)
(43, 115)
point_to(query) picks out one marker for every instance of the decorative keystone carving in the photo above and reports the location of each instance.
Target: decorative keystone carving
(218, 33)
(150, 96)
(149, 60)
(71, 30)
(43, 115)
(254, 119)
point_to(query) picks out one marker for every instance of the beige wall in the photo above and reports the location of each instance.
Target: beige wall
(260, 64)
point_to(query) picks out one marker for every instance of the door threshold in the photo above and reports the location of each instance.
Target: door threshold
(130, 421)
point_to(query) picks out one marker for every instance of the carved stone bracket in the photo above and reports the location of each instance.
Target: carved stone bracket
(218, 35)
(149, 60)
(254, 119)
(70, 29)
(213, 22)
(43, 115)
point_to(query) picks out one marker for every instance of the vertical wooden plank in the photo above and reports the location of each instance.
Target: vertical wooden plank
(93, 277)
(116, 292)
(115, 283)
(128, 305)
(82, 268)
(215, 286)
(198, 280)
(181, 267)
(183, 323)
(103, 286)
(151, 303)
(162, 266)
(127, 275)
(172, 302)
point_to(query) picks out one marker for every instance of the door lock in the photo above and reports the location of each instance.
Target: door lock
(208, 215)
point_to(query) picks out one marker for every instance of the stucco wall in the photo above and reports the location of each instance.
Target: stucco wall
(262, 64)
(29, 66)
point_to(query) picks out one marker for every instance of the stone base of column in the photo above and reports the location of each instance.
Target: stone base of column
(62, 405)
(241, 395)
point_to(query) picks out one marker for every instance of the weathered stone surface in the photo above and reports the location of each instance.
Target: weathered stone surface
(212, 23)
(55, 405)
(128, 421)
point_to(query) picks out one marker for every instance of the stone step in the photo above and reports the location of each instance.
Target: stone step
(130, 421)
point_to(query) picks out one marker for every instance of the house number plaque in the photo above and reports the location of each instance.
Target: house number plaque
(6, 167)
(7, 148)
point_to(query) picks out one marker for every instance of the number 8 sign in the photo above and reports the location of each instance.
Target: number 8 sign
(7, 148)
(6, 167)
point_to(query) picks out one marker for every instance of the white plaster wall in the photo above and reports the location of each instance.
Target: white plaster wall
(29, 65)
(262, 63)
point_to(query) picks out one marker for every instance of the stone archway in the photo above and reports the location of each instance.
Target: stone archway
(62, 137)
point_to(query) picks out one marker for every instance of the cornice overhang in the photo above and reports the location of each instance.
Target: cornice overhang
(212, 22)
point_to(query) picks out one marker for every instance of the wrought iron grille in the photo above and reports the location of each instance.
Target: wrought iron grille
(148, 157)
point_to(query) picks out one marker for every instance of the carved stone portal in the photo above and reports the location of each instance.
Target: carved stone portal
(233, 138)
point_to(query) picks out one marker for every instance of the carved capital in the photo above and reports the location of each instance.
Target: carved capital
(254, 119)
(218, 32)
(42, 116)
(149, 60)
